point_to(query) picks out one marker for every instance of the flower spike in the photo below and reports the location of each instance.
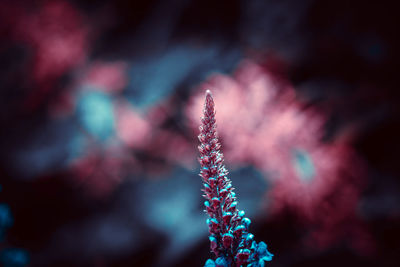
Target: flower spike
(230, 240)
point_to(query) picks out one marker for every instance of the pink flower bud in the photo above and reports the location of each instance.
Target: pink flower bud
(227, 240)
(215, 201)
(227, 218)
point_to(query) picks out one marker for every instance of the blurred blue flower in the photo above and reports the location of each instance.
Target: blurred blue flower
(6, 219)
(96, 114)
(303, 165)
(14, 257)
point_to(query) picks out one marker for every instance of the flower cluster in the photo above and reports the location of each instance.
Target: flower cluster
(230, 239)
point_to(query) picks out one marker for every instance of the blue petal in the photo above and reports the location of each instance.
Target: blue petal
(263, 253)
(221, 262)
(209, 263)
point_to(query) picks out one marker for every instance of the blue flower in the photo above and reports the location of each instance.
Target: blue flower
(263, 253)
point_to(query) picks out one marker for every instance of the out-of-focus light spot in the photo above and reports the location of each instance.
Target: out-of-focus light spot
(372, 49)
(303, 165)
(95, 111)
(131, 128)
(6, 219)
(14, 257)
(114, 235)
(107, 76)
(375, 51)
(76, 147)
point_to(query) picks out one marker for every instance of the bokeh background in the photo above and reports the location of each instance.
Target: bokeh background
(100, 104)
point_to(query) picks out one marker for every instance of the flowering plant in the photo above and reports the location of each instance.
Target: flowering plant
(230, 239)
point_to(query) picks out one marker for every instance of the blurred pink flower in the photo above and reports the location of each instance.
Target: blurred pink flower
(101, 170)
(58, 36)
(269, 123)
(107, 76)
(131, 127)
(265, 124)
(144, 132)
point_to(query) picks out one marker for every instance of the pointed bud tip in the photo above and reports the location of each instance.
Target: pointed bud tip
(209, 95)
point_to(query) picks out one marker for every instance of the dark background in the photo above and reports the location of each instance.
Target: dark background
(74, 196)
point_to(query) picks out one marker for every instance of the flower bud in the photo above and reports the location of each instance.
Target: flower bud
(242, 256)
(212, 181)
(263, 253)
(202, 138)
(227, 217)
(213, 225)
(233, 205)
(213, 242)
(223, 193)
(227, 240)
(215, 202)
(209, 263)
(246, 222)
(249, 238)
(239, 230)
(207, 188)
(221, 262)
